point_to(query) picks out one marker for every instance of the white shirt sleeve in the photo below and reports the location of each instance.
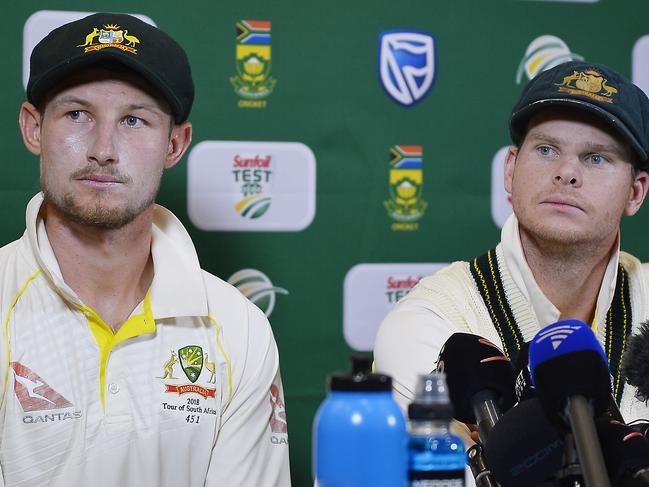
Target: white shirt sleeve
(408, 343)
(252, 445)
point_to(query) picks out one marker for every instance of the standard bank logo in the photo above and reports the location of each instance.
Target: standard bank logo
(370, 292)
(256, 286)
(543, 53)
(41, 23)
(251, 186)
(406, 64)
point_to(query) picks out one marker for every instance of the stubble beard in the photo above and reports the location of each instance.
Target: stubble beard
(98, 214)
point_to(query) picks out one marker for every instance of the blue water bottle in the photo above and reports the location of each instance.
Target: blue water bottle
(359, 432)
(436, 457)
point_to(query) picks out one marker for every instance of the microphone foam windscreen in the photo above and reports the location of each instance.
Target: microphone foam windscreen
(567, 360)
(524, 448)
(473, 364)
(635, 366)
(625, 450)
(523, 388)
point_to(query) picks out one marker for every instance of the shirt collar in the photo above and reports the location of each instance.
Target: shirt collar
(177, 288)
(545, 311)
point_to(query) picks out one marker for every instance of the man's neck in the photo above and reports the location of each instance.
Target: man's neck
(570, 276)
(110, 270)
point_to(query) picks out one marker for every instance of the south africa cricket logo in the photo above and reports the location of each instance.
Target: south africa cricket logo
(253, 82)
(406, 182)
(191, 361)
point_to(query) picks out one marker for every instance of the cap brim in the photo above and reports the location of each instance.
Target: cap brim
(520, 118)
(58, 74)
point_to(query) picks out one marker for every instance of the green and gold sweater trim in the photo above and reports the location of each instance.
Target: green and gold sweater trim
(487, 277)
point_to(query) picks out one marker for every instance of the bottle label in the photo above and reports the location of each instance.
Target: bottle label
(436, 478)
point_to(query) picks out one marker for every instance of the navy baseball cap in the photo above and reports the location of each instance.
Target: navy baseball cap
(113, 38)
(595, 88)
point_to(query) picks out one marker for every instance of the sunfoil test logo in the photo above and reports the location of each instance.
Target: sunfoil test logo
(543, 53)
(251, 186)
(370, 291)
(253, 82)
(406, 182)
(253, 174)
(257, 287)
(406, 64)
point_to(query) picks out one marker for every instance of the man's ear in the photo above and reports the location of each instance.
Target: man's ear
(637, 193)
(29, 120)
(510, 163)
(181, 137)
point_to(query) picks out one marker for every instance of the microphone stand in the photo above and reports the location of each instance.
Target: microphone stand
(479, 469)
(583, 429)
(570, 474)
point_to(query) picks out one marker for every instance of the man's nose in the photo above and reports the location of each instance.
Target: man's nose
(103, 148)
(568, 172)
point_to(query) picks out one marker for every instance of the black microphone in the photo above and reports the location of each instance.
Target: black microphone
(570, 372)
(525, 449)
(480, 380)
(524, 388)
(626, 454)
(635, 365)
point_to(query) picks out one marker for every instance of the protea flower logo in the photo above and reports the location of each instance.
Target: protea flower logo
(256, 286)
(543, 53)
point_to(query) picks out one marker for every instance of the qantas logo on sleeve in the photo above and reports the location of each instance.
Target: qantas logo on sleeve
(34, 393)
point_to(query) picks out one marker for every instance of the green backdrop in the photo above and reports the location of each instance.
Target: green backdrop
(329, 97)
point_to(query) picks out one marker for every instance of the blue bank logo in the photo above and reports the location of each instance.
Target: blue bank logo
(406, 64)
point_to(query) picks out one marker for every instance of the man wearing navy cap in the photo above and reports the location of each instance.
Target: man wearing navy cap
(578, 163)
(123, 362)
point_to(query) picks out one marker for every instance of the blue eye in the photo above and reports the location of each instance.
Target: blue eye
(545, 150)
(132, 121)
(74, 115)
(597, 159)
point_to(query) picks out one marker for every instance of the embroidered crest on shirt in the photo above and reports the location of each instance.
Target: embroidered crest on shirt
(192, 360)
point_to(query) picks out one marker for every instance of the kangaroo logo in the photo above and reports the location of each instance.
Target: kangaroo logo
(168, 367)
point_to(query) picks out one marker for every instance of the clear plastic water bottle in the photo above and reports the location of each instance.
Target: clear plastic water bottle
(436, 457)
(359, 432)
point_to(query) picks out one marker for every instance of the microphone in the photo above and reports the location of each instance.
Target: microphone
(523, 388)
(480, 380)
(626, 454)
(524, 447)
(571, 376)
(635, 365)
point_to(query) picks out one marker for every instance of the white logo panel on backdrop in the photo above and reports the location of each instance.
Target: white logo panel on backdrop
(42, 22)
(370, 291)
(251, 186)
(640, 64)
(501, 202)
